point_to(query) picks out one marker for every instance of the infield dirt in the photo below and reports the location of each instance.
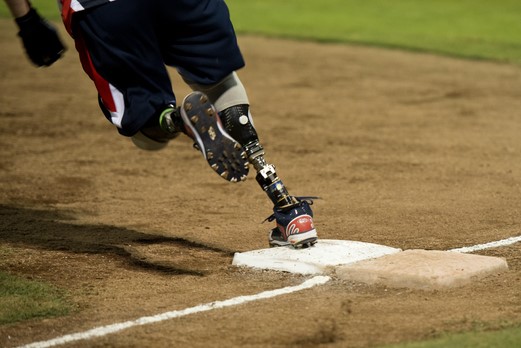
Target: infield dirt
(407, 150)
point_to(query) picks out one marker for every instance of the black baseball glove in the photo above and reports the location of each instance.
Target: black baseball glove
(40, 39)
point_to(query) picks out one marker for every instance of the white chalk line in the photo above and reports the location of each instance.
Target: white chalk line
(499, 243)
(318, 280)
(113, 328)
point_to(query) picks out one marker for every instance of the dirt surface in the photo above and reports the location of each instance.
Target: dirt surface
(406, 150)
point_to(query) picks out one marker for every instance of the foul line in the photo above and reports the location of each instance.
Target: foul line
(108, 329)
(318, 280)
(499, 243)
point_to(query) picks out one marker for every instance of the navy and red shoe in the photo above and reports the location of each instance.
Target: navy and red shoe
(294, 225)
(202, 123)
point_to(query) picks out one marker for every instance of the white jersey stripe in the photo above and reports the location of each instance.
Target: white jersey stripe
(76, 6)
(119, 103)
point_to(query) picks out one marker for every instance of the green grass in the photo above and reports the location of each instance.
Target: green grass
(507, 338)
(48, 8)
(481, 29)
(22, 299)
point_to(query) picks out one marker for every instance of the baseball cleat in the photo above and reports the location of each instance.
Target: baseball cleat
(202, 123)
(294, 225)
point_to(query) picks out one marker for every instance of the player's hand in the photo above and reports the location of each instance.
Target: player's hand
(40, 39)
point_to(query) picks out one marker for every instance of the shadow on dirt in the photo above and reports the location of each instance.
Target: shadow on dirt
(57, 230)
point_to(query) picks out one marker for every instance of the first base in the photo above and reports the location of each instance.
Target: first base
(319, 259)
(423, 269)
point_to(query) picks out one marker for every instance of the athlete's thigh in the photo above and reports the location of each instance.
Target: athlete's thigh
(122, 47)
(199, 39)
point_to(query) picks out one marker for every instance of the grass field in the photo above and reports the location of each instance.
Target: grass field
(476, 29)
(22, 299)
(508, 338)
(465, 28)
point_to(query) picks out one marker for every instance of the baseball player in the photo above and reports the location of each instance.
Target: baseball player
(125, 46)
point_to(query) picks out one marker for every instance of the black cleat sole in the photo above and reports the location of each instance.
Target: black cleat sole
(224, 155)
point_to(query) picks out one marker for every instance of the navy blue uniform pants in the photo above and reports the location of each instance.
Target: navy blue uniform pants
(125, 45)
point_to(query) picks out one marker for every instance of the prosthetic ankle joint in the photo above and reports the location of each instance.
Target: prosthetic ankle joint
(238, 124)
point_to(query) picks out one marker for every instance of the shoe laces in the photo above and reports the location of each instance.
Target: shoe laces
(300, 200)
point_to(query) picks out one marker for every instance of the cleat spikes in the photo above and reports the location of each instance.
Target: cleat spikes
(223, 154)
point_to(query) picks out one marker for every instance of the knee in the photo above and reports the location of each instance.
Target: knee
(145, 143)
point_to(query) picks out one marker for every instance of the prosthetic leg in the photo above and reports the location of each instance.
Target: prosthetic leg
(293, 215)
(237, 122)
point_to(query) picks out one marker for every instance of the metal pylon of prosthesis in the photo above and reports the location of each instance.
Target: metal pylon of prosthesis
(267, 176)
